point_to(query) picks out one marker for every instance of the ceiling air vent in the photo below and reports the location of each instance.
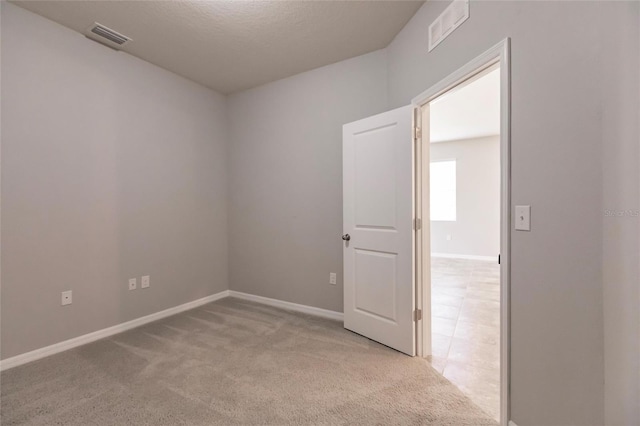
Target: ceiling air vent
(106, 36)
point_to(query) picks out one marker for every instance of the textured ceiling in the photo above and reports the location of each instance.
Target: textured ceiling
(234, 45)
(471, 111)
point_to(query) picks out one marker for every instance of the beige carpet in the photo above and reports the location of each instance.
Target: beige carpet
(233, 362)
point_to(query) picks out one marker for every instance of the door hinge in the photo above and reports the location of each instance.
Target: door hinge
(417, 315)
(417, 133)
(417, 224)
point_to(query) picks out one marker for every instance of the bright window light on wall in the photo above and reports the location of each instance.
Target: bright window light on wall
(443, 190)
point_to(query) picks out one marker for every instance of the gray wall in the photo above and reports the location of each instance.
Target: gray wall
(559, 65)
(111, 168)
(476, 230)
(285, 210)
(620, 150)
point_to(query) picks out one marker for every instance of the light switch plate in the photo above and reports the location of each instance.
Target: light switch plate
(132, 284)
(145, 281)
(66, 298)
(523, 218)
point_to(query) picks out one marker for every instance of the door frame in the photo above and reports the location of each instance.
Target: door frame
(498, 54)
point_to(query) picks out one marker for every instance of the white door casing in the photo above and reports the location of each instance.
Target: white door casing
(378, 217)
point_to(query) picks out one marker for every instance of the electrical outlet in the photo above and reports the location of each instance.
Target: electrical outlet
(145, 281)
(448, 237)
(132, 284)
(332, 278)
(66, 298)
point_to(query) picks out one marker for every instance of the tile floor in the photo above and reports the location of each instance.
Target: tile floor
(465, 308)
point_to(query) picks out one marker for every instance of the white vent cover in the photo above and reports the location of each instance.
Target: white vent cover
(452, 17)
(106, 36)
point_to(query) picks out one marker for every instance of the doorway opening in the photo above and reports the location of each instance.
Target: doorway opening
(464, 190)
(462, 251)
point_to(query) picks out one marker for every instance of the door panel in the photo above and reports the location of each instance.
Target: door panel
(378, 216)
(374, 163)
(375, 282)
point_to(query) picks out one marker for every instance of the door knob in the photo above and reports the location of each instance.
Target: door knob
(346, 237)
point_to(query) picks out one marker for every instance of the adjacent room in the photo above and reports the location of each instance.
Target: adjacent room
(464, 159)
(319, 212)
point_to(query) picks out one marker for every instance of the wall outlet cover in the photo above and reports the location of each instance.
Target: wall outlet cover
(132, 284)
(145, 281)
(332, 278)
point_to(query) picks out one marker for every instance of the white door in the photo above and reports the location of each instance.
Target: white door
(378, 228)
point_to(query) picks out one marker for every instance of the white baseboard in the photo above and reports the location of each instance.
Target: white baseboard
(465, 256)
(36, 354)
(511, 423)
(24, 358)
(325, 313)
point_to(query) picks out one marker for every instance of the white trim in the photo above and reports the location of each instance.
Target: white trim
(467, 71)
(512, 423)
(311, 310)
(422, 236)
(105, 332)
(498, 54)
(465, 256)
(503, 51)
